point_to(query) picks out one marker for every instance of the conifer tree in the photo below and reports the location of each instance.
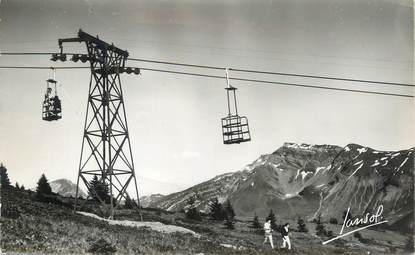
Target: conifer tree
(271, 217)
(17, 185)
(230, 213)
(43, 188)
(99, 188)
(4, 177)
(129, 203)
(192, 212)
(216, 210)
(301, 225)
(255, 222)
(320, 228)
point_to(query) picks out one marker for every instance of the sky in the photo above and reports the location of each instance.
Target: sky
(174, 120)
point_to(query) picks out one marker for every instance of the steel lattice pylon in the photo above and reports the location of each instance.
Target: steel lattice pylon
(106, 148)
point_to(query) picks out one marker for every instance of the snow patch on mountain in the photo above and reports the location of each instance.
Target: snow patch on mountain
(376, 163)
(357, 169)
(362, 150)
(358, 163)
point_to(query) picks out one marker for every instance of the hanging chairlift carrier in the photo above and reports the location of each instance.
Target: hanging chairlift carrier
(52, 108)
(235, 128)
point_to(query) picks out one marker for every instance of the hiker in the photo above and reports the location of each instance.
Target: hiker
(285, 237)
(268, 233)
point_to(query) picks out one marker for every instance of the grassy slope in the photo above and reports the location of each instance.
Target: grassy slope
(51, 228)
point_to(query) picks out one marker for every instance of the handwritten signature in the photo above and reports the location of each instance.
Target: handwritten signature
(372, 219)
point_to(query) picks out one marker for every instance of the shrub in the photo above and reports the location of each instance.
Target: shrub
(333, 221)
(101, 246)
(409, 244)
(320, 228)
(357, 235)
(301, 226)
(229, 223)
(349, 215)
(10, 211)
(130, 203)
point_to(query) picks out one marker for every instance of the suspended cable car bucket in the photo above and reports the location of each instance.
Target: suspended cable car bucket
(51, 107)
(235, 128)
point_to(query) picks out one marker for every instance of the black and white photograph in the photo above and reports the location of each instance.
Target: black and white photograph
(199, 127)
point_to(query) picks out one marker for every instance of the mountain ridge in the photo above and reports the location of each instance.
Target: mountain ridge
(66, 188)
(308, 181)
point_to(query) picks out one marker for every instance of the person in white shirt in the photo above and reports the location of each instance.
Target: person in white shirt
(268, 233)
(285, 238)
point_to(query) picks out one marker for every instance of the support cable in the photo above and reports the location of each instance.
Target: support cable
(234, 69)
(223, 77)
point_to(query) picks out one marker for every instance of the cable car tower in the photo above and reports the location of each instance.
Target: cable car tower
(106, 148)
(235, 128)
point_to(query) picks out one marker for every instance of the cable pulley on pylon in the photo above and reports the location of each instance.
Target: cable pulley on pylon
(235, 128)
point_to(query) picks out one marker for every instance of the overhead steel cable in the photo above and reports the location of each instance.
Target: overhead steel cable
(274, 73)
(31, 53)
(44, 67)
(236, 70)
(223, 77)
(177, 64)
(281, 83)
(324, 77)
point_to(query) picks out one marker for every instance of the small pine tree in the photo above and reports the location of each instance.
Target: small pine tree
(216, 210)
(4, 177)
(17, 185)
(271, 217)
(230, 213)
(255, 222)
(22, 188)
(192, 212)
(333, 221)
(43, 188)
(229, 223)
(409, 244)
(99, 190)
(320, 228)
(129, 203)
(349, 215)
(301, 225)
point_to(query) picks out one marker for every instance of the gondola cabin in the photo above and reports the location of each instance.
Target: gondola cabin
(51, 108)
(235, 128)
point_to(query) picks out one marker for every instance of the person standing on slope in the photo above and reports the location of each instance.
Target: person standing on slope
(285, 238)
(268, 233)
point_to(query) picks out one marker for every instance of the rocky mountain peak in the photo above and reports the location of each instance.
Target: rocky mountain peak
(66, 188)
